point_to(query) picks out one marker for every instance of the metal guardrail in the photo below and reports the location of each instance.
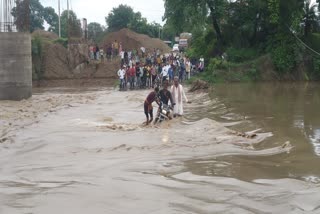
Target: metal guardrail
(7, 27)
(6, 17)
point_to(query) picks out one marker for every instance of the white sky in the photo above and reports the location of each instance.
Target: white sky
(97, 10)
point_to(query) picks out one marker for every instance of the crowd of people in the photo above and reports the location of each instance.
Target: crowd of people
(108, 51)
(148, 70)
(141, 69)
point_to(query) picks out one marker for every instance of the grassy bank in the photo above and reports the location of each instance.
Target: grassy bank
(259, 69)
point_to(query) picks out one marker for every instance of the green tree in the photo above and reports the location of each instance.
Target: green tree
(52, 19)
(28, 14)
(244, 22)
(120, 17)
(168, 32)
(309, 17)
(70, 27)
(124, 17)
(95, 31)
(183, 14)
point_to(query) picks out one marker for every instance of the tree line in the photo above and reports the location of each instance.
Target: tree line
(245, 29)
(32, 15)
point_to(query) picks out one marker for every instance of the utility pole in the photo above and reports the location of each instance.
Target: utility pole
(68, 9)
(59, 19)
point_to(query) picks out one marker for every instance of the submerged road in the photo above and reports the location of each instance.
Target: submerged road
(81, 152)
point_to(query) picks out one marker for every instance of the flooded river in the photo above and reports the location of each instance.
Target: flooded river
(243, 149)
(290, 111)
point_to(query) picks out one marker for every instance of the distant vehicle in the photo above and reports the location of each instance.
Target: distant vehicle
(185, 35)
(175, 47)
(184, 40)
(168, 42)
(183, 43)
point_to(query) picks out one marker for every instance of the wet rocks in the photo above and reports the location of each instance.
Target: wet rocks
(245, 135)
(2, 140)
(199, 85)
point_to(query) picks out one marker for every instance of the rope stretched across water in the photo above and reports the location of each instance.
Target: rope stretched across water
(303, 43)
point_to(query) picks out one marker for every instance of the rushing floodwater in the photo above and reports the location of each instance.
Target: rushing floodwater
(291, 111)
(82, 151)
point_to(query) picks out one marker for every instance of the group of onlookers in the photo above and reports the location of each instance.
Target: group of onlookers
(137, 73)
(141, 68)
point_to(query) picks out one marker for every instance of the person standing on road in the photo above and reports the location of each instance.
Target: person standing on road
(138, 78)
(164, 72)
(143, 51)
(109, 53)
(122, 57)
(188, 68)
(125, 56)
(170, 72)
(132, 74)
(101, 55)
(182, 70)
(121, 75)
(115, 48)
(178, 93)
(97, 53)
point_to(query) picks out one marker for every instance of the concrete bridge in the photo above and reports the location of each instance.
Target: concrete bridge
(15, 57)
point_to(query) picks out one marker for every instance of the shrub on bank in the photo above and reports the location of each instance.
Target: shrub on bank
(241, 55)
(219, 70)
(37, 49)
(61, 41)
(285, 52)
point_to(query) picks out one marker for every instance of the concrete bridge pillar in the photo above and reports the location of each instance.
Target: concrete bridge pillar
(15, 66)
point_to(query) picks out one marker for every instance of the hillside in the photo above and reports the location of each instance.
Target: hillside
(132, 40)
(53, 61)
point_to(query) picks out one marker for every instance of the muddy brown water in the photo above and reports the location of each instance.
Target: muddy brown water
(85, 151)
(289, 110)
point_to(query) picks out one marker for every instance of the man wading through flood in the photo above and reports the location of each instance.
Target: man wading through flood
(175, 96)
(162, 96)
(148, 109)
(177, 92)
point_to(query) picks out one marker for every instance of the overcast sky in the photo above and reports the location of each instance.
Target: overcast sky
(97, 10)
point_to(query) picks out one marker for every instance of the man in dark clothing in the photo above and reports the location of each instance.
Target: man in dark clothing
(109, 52)
(165, 94)
(126, 59)
(148, 109)
(97, 52)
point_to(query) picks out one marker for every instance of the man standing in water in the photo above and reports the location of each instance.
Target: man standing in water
(148, 109)
(177, 94)
(165, 94)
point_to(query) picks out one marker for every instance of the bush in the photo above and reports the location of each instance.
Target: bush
(285, 53)
(313, 41)
(61, 41)
(241, 55)
(37, 57)
(216, 63)
(36, 46)
(316, 68)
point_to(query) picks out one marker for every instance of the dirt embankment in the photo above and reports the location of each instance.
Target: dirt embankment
(72, 62)
(131, 40)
